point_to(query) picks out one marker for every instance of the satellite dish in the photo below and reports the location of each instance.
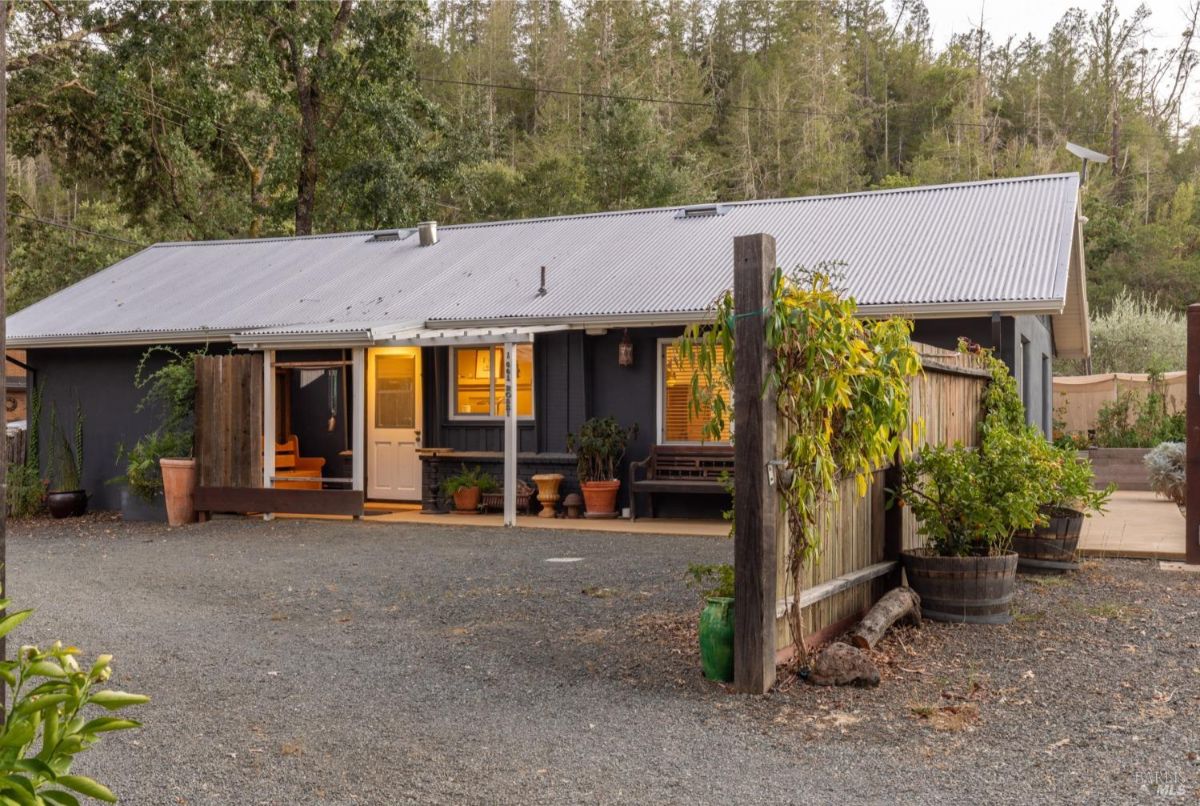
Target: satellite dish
(1087, 155)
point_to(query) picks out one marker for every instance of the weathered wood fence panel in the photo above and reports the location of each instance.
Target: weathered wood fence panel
(947, 399)
(229, 435)
(15, 442)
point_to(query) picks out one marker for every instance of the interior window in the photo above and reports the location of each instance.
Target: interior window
(479, 381)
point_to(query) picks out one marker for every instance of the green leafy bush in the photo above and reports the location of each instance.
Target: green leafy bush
(1167, 467)
(1130, 422)
(711, 580)
(1137, 334)
(971, 501)
(49, 722)
(467, 478)
(599, 447)
(26, 491)
(171, 389)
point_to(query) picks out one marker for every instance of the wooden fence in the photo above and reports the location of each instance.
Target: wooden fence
(855, 564)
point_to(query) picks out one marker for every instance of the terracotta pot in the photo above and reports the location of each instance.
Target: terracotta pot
(179, 490)
(466, 499)
(600, 498)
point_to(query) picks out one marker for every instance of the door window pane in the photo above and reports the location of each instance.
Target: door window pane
(395, 391)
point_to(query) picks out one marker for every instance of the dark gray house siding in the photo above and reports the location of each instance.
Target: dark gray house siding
(576, 376)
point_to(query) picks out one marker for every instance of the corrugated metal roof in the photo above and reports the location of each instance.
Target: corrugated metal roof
(1000, 243)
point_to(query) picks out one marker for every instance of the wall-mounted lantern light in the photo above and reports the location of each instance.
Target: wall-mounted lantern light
(625, 351)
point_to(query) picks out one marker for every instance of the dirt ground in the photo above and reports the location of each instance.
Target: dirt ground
(335, 662)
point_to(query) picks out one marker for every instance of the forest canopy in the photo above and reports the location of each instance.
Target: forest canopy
(137, 121)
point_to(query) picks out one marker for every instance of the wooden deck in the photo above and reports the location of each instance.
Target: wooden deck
(1137, 525)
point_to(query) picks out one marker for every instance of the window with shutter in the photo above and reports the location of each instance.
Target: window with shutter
(677, 423)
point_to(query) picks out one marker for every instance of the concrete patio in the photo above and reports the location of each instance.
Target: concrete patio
(1137, 525)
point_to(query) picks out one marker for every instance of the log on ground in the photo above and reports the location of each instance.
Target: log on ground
(898, 603)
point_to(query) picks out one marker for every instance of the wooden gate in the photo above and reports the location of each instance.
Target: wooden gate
(229, 411)
(229, 446)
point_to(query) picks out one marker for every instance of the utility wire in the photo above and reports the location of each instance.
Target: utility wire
(80, 230)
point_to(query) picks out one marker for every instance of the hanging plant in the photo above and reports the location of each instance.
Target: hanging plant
(840, 384)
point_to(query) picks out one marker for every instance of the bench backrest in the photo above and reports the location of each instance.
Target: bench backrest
(699, 462)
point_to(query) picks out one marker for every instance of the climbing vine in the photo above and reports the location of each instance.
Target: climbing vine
(841, 388)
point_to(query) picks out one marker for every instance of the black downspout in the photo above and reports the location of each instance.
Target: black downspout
(997, 335)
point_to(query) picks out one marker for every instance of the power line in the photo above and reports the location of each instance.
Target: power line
(744, 107)
(80, 230)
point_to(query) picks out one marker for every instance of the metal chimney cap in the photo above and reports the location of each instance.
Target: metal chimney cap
(428, 232)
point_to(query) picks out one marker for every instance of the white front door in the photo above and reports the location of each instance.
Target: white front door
(394, 423)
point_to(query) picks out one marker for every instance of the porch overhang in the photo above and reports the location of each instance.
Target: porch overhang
(402, 335)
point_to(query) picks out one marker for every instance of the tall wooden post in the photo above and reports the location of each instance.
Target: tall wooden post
(1192, 536)
(756, 506)
(3, 310)
(268, 465)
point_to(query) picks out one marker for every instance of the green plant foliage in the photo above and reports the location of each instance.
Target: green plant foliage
(26, 492)
(467, 478)
(711, 580)
(1133, 421)
(49, 721)
(971, 501)
(67, 454)
(599, 447)
(1167, 467)
(170, 390)
(841, 388)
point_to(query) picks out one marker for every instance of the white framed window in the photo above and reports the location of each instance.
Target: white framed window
(477, 382)
(676, 424)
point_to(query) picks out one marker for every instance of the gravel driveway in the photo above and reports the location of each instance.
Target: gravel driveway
(335, 662)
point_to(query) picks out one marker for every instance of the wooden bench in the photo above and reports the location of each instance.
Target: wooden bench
(289, 463)
(692, 469)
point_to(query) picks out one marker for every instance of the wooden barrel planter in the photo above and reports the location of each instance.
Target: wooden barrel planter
(973, 590)
(1050, 548)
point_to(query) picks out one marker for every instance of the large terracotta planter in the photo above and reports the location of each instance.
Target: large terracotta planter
(179, 490)
(547, 484)
(466, 500)
(600, 498)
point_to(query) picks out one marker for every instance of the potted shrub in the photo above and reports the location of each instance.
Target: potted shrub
(467, 488)
(1166, 464)
(67, 498)
(599, 447)
(970, 502)
(1050, 544)
(161, 462)
(716, 619)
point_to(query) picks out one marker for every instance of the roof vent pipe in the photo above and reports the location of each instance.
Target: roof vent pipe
(542, 287)
(428, 232)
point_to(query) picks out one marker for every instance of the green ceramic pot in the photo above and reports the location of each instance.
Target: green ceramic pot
(716, 639)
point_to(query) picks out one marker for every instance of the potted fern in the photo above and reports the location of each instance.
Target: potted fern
(467, 488)
(67, 498)
(599, 448)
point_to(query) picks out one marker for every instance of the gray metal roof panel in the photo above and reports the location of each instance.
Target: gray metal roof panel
(1004, 241)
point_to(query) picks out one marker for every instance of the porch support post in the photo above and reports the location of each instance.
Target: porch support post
(1191, 542)
(756, 505)
(268, 419)
(358, 416)
(510, 434)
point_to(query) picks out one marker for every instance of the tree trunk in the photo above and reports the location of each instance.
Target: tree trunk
(898, 603)
(306, 179)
